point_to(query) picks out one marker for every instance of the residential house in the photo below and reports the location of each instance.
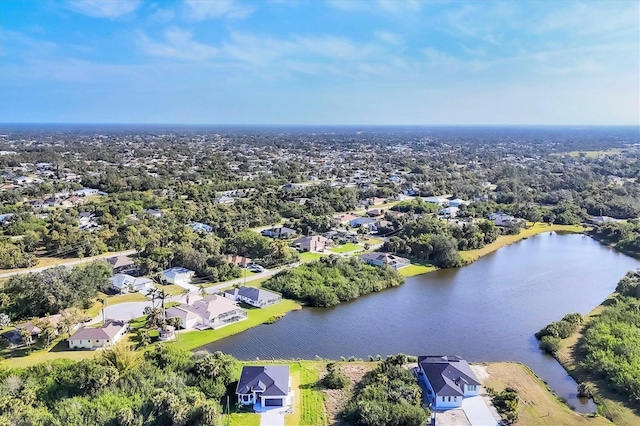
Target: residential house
(345, 218)
(281, 232)
(599, 220)
(253, 296)
(342, 236)
(375, 212)
(86, 192)
(104, 337)
(179, 276)
(314, 243)
(4, 218)
(121, 264)
(457, 202)
(379, 259)
(362, 221)
(124, 283)
(448, 379)
(439, 201)
(154, 212)
(210, 312)
(500, 218)
(449, 211)
(267, 386)
(201, 227)
(238, 260)
(224, 200)
(34, 330)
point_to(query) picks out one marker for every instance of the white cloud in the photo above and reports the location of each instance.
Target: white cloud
(178, 44)
(163, 15)
(104, 8)
(201, 10)
(390, 38)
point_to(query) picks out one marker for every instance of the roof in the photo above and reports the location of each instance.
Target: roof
(238, 260)
(308, 240)
(271, 380)
(176, 271)
(383, 257)
(120, 261)
(107, 332)
(123, 280)
(33, 329)
(209, 307)
(253, 293)
(447, 374)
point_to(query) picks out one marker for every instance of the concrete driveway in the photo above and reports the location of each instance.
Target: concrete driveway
(477, 411)
(273, 416)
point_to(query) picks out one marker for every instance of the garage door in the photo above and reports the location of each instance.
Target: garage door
(272, 402)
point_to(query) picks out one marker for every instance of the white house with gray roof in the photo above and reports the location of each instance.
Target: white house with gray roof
(124, 283)
(211, 312)
(266, 386)
(253, 296)
(448, 379)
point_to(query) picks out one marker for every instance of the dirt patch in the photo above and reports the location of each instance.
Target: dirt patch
(335, 399)
(455, 417)
(537, 406)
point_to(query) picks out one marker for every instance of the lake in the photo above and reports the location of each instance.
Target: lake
(486, 311)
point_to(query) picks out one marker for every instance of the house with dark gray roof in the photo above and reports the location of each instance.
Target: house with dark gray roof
(253, 296)
(265, 386)
(448, 379)
(380, 259)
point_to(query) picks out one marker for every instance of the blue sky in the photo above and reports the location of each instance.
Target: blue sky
(320, 62)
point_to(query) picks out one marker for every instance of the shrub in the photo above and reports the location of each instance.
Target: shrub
(334, 379)
(550, 344)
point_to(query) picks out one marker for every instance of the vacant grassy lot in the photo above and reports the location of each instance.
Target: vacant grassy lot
(309, 401)
(619, 412)
(416, 269)
(537, 228)
(344, 248)
(310, 257)
(114, 300)
(538, 406)
(193, 339)
(595, 154)
(20, 358)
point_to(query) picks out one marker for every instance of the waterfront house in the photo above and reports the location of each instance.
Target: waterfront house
(380, 259)
(253, 296)
(104, 337)
(448, 379)
(210, 312)
(500, 218)
(315, 243)
(123, 283)
(362, 221)
(266, 386)
(345, 218)
(178, 276)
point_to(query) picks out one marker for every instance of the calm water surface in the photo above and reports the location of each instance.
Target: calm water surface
(487, 311)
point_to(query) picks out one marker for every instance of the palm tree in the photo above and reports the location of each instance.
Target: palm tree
(163, 295)
(202, 290)
(153, 292)
(103, 301)
(185, 293)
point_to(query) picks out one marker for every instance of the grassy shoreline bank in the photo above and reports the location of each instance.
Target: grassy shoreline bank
(470, 256)
(610, 405)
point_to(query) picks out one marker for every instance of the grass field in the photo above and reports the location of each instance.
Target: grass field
(416, 269)
(344, 248)
(18, 358)
(193, 339)
(309, 404)
(610, 404)
(537, 406)
(310, 257)
(595, 154)
(172, 289)
(538, 228)
(243, 419)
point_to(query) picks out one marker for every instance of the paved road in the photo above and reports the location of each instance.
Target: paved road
(227, 284)
(68, 263)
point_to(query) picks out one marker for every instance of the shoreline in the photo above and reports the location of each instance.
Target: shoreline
(609, 405)
(470, 256)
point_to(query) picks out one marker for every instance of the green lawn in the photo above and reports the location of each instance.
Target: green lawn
(416, 269)
(346, 248)
(243, 419)
(311, 410)
(245, 274)
(114, 300)
(193, 339)
(172, 289)
(310, 257)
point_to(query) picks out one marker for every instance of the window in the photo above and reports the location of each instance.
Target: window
(443, 399)
(449, 400)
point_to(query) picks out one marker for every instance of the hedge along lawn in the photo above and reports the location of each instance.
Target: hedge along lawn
(345, 248)
(193, 339)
